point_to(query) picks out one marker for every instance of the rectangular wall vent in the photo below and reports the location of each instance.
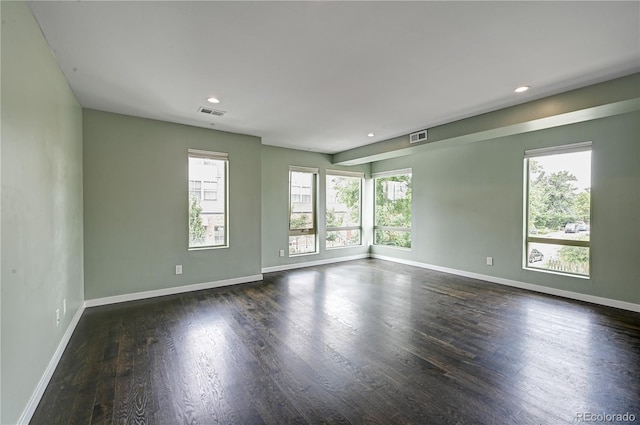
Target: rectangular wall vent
(210, 111)
(418, 136)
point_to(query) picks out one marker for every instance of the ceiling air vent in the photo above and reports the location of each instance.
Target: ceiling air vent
(418, 136)
(210, 111)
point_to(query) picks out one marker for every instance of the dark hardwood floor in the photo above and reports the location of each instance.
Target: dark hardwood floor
(361, 342)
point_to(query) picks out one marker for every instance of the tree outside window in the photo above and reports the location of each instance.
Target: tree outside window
(559, 209)
(392, 224)
(343, 201)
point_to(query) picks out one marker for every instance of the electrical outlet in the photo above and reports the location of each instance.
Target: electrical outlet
(57, 317)
(282, 252)
(489, 261)
(64, 307)
(179, 269)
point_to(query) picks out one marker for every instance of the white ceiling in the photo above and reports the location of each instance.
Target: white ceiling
(321, 75)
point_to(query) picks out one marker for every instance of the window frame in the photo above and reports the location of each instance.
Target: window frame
(216, 156)
(314, 202)
(375, 177)
(350, 174)
(527, 238)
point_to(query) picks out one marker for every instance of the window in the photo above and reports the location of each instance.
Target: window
(558, 209)
(208, 218)
(344, 194)
(302, 210)
(210, 190)
(392, 214)
(195, 189)
(204, 190)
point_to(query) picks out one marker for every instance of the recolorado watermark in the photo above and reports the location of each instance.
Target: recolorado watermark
(605, 417)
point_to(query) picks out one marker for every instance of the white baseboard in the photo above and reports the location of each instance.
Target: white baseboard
(313, 263)
(170, 291)
(624, 305)
(34, 400)
(53, 363)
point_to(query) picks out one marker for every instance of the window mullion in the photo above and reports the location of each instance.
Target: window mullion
(564, 242)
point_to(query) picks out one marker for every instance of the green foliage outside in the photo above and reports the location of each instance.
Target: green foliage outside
(572, 259)
(333, 219)
(574, 254)
(300, 221)
(196, 228)
(393, 238)
(582, 206)
(393, 209)
(347, 192)
(554, 201)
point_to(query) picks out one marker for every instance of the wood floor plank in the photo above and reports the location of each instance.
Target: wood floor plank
(124, 386)
(102, 413)
(175, 371)
(360, 342)
(319, 362)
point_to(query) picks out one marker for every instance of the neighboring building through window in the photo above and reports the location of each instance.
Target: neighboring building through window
(204, 189)
(558, 209)
(392, 213)
(195, 189)
(344, 205)
(210, 192)
(302, 210)
(208, 173)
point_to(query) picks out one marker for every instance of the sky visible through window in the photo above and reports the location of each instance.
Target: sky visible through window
(576, 163)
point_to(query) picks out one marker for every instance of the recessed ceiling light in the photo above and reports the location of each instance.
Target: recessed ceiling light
(370, 135)
(522, 89)
(213, 100)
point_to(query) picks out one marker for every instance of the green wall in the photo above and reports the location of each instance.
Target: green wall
(94, 205)
(41, 191)
(468, 205)
(135, 200)
(275, 206)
